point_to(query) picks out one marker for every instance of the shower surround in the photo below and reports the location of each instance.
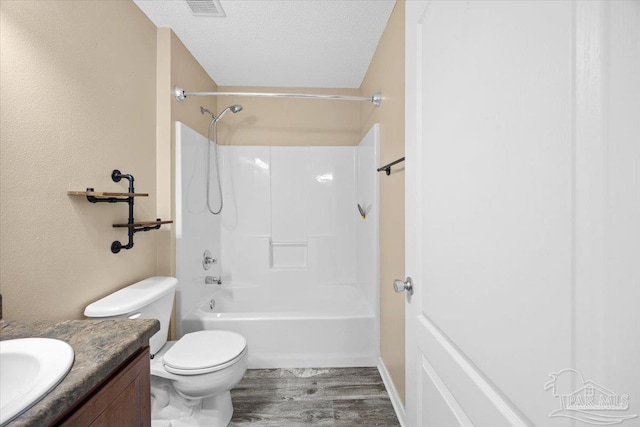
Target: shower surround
(298, 262)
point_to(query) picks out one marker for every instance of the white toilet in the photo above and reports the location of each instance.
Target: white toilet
(191, 378)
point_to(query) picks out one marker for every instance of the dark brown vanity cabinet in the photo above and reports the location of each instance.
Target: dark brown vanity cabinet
(123, 400)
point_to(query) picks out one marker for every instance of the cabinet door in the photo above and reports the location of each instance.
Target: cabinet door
(125, 400)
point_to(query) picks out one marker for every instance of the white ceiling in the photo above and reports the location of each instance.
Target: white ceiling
(290, 43)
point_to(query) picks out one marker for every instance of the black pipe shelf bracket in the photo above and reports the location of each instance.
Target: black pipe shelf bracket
(132, 226)
(387, 168)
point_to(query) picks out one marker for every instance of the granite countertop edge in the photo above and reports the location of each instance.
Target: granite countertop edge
(100, 347)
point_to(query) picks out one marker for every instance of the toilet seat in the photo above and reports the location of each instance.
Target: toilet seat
(203, 352)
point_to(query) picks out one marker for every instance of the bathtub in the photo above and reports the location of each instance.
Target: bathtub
(293, 326)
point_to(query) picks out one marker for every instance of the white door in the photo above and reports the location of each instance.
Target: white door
(523, 213)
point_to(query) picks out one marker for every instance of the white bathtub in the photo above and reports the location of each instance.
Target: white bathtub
(294, 326)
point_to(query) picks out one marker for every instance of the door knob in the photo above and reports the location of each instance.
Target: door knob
(400, 286)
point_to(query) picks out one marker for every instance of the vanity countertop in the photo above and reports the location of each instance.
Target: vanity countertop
(100, 347)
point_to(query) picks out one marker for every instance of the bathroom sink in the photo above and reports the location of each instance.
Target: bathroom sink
(29, 369)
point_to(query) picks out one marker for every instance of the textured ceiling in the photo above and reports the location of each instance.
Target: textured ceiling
(292, 43)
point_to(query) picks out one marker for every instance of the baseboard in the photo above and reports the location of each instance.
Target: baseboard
(393, 393)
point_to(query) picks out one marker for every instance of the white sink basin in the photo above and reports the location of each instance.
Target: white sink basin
(29, 369)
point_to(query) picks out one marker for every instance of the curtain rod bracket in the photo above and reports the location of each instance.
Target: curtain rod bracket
(179, 93)
(376, 99)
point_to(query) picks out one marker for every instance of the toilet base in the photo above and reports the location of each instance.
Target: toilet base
(171, 410)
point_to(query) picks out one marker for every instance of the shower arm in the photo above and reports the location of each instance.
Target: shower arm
(375, 99)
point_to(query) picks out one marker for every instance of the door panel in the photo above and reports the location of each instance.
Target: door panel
(523, 204)
(440, 408)
(496, 188)
(467, 392)
(495, 210)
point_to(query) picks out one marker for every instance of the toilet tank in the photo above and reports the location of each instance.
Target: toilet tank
(150, 298)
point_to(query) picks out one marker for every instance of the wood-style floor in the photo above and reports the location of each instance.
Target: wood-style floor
(312, 397)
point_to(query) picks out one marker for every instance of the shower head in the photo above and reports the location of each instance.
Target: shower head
(234, 109)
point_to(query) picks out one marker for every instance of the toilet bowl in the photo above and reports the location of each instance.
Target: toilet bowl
(202, 368)
(192, 378)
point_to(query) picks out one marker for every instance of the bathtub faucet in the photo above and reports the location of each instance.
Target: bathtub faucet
(213, 280)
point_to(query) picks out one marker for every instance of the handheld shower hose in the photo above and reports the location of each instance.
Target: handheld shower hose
(212, 138)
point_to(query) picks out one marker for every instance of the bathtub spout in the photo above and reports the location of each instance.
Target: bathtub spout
(213, 280)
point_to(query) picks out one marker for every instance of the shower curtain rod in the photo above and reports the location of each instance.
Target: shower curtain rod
(375, 99)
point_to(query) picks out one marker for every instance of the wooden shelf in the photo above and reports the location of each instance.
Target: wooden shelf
(105, 194)
(143, 224)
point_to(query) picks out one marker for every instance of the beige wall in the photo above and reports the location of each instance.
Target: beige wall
(285, 121)
(175, 67)
(386, 73)
(78, 100)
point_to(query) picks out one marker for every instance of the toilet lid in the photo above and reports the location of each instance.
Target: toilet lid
(204, 351)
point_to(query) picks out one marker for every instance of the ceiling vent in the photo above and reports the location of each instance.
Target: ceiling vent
(206, 8)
